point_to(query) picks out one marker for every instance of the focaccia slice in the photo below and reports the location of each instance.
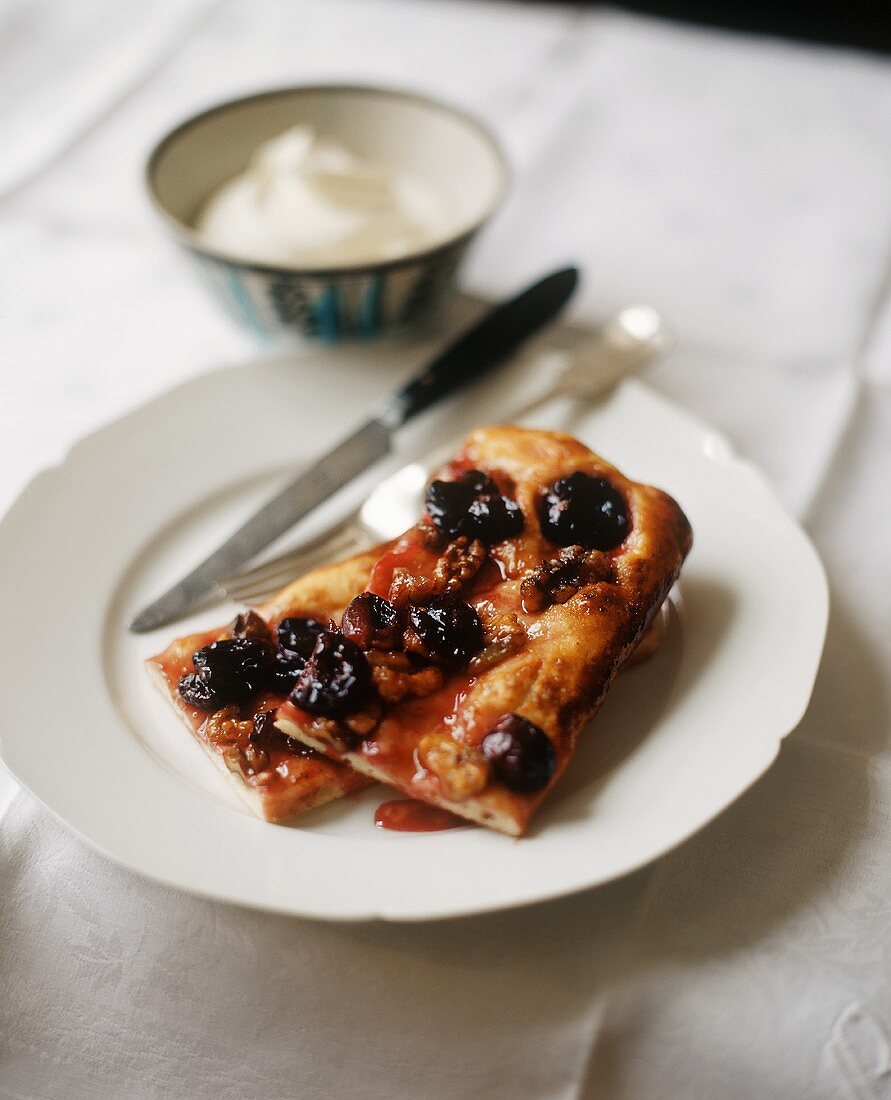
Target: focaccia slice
(278, 778)
(488, 635)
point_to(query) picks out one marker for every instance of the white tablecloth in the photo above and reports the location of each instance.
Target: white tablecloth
(743, 187)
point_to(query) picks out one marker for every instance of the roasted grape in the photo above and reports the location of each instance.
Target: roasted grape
(336, 679)
(446, 629)
(580, 510)
(522, 755)
(198, 694)
(231, 671)
(473, 506)
(371, 622)
(297, 636)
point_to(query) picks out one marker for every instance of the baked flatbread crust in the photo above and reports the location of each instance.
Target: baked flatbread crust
(293, 783)
(553, 671)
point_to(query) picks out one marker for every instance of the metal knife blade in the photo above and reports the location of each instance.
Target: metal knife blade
(313, 486)
(471, 355)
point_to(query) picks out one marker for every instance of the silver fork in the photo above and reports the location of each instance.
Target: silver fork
(389, 509)
(632, 339)
(253, 586)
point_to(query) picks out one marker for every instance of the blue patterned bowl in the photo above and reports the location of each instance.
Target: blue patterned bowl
(400, 130)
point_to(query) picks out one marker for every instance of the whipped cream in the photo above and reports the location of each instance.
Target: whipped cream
(308, 201)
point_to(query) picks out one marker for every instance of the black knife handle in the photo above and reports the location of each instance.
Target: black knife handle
(484, 345)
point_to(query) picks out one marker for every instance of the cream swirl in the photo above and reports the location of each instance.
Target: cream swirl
(307, 201)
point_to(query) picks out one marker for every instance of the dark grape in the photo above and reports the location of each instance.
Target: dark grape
(234, 669)
(448, 628)
(472, 506)
(336, 679)
(297, 636)
(199, 694)
(371, 622)
(581, 510)
(522, 755)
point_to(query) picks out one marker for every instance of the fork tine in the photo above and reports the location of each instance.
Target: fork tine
(255, 590)
(320, 542)
(254, 585)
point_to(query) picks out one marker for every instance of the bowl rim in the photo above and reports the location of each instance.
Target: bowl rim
(187, 235)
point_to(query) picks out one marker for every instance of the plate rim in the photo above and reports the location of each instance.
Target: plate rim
(720, 451)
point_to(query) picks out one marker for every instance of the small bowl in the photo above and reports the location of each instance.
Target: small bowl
(398, 130)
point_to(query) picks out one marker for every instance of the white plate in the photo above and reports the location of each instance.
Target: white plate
(134, 504)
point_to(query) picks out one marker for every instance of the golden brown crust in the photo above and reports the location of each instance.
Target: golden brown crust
(559, 673)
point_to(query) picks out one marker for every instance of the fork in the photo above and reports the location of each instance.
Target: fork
(387, 511)
(630, 340)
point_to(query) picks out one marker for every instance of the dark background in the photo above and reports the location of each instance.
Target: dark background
(859, 23)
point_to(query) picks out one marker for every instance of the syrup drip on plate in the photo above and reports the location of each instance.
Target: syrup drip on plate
(408, 815)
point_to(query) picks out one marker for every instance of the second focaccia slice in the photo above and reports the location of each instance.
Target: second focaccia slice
(233, 721)
(490, 632)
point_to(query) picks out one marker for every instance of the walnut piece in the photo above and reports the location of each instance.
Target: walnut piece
(395, 677)
(558, 580)
(232, 735)
(226, 727)
(461, 770)
(455, 568)
(504, 635)
(406, 588)
(458, 564)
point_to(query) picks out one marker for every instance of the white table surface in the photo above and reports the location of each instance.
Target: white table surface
(741, 186)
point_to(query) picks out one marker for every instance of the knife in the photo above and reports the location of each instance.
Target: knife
(475, 352)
